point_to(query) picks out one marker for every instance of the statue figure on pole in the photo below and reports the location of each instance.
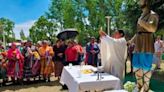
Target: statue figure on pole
(144, 45)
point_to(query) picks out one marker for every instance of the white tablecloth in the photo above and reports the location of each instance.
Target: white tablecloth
(87, 82)
(116, 91)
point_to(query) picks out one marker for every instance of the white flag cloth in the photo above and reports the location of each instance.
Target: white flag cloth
(113, 55)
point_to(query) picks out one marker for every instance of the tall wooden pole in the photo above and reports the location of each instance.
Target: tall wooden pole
(108, 24)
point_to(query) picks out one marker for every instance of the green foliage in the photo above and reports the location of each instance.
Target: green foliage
(7, 29)
(89, 15)
(158, 7)
(22, 35)
(43, 29)
(85, 15)
(133, 12)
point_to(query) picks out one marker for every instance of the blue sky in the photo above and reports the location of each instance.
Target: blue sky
(23, 12)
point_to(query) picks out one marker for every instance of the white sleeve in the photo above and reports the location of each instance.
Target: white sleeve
(108, 39)
(113, 41)
(104, 51)
(155, 47)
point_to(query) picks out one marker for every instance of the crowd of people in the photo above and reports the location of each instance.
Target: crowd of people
(21, 63)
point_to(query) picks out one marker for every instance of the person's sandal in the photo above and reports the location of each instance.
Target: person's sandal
(146, 82)
(139, 86)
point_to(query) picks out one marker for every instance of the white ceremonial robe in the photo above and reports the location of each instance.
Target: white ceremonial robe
(113, 55)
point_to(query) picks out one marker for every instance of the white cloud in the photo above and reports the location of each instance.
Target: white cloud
(23, 26)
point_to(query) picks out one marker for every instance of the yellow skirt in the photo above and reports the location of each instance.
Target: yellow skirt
(46, 69)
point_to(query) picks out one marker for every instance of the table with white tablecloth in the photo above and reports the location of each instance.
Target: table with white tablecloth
(80, 82)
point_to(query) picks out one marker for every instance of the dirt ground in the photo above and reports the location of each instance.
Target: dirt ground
(53, 86)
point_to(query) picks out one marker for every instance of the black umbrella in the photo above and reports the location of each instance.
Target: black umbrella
(67, 34)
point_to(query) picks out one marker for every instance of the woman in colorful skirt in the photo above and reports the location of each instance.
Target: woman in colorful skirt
(92, 50)
(58, 58)
(36, 63)
(3, 67)
(15, 64)
(46, 53)
(28, 61)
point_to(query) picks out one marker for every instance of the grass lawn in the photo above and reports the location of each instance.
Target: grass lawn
(157, 80)
(155, 84)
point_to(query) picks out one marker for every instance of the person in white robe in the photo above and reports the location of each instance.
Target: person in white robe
(113, 53)
(158, 51)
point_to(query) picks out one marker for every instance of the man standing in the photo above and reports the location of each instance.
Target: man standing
(130, 54)
(158, 50)
(114, 53)
(144, 49)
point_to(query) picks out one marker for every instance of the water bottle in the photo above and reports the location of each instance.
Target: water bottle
(79, 71)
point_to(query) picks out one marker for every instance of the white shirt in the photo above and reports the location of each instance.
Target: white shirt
(113, 55)
(158, 46)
